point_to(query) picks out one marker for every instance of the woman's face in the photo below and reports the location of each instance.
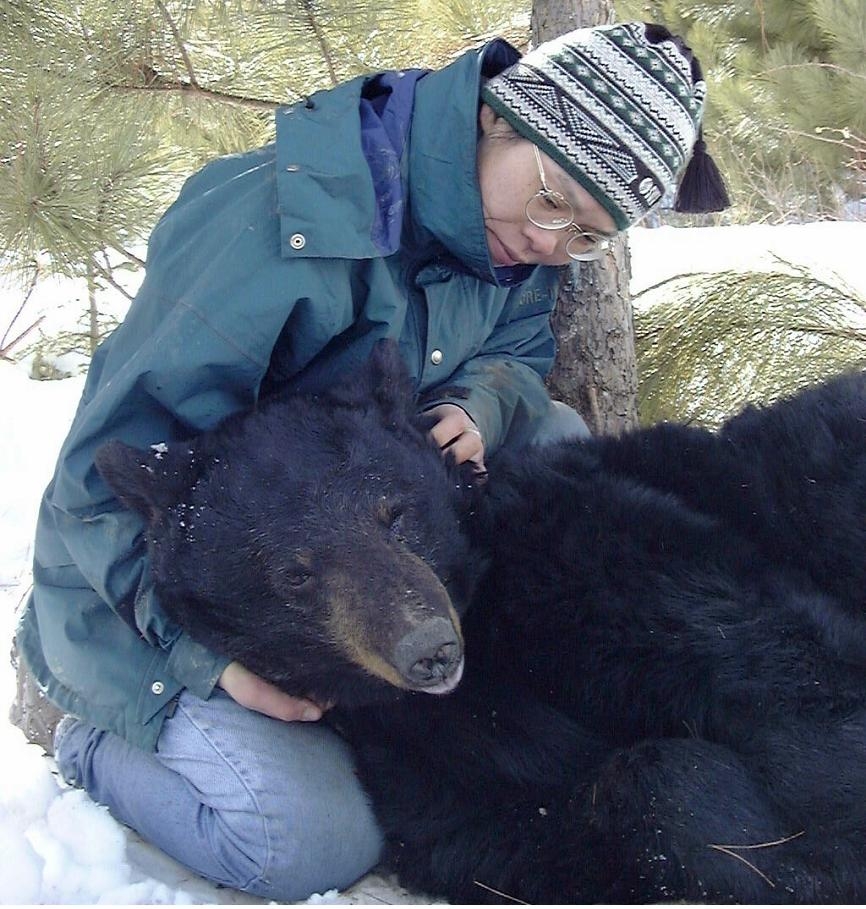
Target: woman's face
(508, 177)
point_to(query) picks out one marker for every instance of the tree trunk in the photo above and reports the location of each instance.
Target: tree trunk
(595, 369)
(551, 18)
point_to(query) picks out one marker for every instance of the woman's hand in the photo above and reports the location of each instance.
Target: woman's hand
(456, 432)
(253, 692)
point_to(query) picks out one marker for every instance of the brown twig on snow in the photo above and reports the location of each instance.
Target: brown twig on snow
(6, 347)
(4, 350)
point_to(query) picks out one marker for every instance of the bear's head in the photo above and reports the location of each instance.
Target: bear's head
(316, 540)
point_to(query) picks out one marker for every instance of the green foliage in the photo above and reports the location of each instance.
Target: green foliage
(787, 87)
(78, 170)
(105, 107)
(708, 344)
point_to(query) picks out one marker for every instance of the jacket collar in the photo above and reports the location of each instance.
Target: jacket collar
(445, 201)
(336, 197)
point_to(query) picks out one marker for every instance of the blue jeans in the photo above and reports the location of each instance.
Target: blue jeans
(562, 422)
(263, 806)
(259, 805)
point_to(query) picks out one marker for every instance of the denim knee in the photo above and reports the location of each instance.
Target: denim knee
(285, 813)
(270, 808)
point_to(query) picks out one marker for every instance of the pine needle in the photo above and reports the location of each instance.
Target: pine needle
(513, 899)
(781, 842)
(732, 851)
(745, 861)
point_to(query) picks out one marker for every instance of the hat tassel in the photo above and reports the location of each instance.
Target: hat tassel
(702, 188)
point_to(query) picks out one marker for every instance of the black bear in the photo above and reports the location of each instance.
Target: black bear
(658, 691)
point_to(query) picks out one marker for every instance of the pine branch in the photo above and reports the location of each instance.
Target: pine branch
(4, 347)
(136, 260)
(106, 274)
(843, 137)
(320, 38)
(755, 327)
(681, 276)
(707, 345)
(158, 83)
(759, 6)
(179, 41)
(812, 64)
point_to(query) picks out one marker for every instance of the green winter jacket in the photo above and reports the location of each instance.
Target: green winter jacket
(277, 267)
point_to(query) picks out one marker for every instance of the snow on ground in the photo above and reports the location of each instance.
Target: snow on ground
(56, 845)
(831, 249)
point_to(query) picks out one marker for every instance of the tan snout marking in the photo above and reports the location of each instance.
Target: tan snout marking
(352, 624)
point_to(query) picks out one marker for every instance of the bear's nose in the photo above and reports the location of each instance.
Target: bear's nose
(430, 654)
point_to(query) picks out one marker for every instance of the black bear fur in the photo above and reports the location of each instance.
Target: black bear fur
(664, 695)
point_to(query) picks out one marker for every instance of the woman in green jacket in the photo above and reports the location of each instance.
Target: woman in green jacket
(433, 208)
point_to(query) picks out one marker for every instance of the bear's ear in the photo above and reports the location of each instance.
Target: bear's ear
(384, 380)
(151, 481)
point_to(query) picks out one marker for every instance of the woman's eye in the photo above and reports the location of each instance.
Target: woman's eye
(551, 203)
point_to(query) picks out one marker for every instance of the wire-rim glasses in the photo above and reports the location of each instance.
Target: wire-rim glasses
(550, 210)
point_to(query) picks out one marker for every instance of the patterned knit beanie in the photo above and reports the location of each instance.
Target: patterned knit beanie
(619, 107)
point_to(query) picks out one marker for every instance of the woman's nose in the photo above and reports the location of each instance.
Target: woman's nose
(546, 242)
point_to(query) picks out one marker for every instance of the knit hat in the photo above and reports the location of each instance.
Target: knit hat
(619, 107)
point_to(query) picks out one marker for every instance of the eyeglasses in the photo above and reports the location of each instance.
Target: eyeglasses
(550, 210)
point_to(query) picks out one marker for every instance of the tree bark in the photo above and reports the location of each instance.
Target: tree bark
(551, 18)
(595, 369)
